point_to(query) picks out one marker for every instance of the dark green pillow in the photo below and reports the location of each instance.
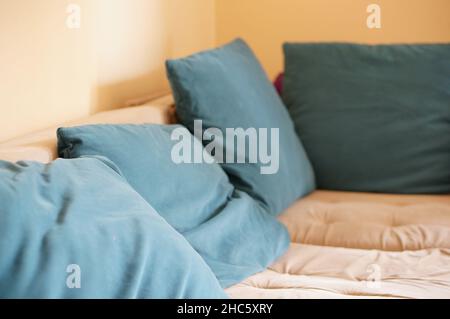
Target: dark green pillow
(372, 118)
(227, 88)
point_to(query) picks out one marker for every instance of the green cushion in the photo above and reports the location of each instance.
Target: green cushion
(227, 88)
(372, 118)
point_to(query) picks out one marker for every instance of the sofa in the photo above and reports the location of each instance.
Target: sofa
(343, 244)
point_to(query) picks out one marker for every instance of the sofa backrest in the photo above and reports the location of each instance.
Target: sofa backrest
(41, 146)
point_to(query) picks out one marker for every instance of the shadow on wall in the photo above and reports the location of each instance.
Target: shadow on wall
(133, 38)
(115, 95)
(134, 42)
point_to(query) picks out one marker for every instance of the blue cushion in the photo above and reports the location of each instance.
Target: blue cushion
(143, 154)
(373, 118)
(79, 219)
(227, 88)
(234, 234)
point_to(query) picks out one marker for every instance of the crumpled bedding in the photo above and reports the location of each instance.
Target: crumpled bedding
(358, 245)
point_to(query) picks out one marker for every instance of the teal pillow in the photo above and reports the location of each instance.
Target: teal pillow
(234, 234)
(227, 88)
(76, 229)
(372, 118)
(143, 153)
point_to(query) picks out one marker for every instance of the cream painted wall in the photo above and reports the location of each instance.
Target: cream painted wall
(50, 73)
(134, 39)
(46, 70)
(266, 24)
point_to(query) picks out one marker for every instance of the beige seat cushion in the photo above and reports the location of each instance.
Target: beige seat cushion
(354, 245)
(370, 221)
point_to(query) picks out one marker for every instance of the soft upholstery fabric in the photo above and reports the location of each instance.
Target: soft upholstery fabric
(227, 88)
(41, 146)
(29, 153)
(343, 241)
(372, 118)
(234, 233)
(143, 154)
(83, 212)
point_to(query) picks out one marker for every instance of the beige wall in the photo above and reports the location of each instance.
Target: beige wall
(266, 24)
(134, 39)
(50, 73)
(46, 70)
